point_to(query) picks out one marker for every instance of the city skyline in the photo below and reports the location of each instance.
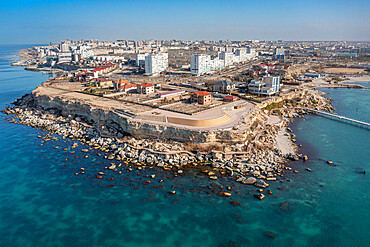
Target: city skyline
(38, 21)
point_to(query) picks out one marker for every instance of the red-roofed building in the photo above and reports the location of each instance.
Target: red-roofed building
(101, 82)
(230, 98)
(202, 97)
(145, 88)
(127, 88)
(119, 83)
(104, 69)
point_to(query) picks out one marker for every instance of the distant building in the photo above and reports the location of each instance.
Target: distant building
(156, 63)
(145, 88)
(101, 82)
(84, 51)
(280, 53)
(201, 97)
(347, 54)
(171, 94)
(268, 86)
(119, 83)
(312, 75)
(64, 47)
(227, 57)
(272, 82)
(64, 57)
(104, 69)
(127, 88)
(140, 59)
(224, 86)
(230, 98)
(201, 64)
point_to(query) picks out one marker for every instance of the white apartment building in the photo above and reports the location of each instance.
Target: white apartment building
(201, 63)
(64, 47)
(268, 86)
(272, 82)
(145, 88)
(140, 59)
(64, 57)
(156, 63)
(85, 51)
(227, 57)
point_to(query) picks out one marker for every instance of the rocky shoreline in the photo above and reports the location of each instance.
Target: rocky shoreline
(255, 162)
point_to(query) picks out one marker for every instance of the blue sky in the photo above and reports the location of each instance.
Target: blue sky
(40, 21)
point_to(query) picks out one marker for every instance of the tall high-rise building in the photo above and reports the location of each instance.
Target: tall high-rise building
(201, 63)
(156, 63)
(228, 58)
(64, 47)
(280, 53)
(140, 59)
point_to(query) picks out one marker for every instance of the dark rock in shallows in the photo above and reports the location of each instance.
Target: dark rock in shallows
(259, 196)
(269, 234)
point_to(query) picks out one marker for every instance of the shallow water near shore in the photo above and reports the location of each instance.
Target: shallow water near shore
(45, 204)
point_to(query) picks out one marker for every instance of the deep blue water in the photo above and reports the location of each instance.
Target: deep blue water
(43, 202)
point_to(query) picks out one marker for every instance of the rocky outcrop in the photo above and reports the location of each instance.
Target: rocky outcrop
(109, 123)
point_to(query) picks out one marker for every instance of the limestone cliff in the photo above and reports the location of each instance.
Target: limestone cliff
(109, 123)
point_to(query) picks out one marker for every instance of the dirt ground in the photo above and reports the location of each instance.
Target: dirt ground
(344, 70)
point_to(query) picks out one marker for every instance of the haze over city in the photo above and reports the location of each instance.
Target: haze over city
(39, 21)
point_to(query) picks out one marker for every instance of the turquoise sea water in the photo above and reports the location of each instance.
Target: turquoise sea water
(43, 202)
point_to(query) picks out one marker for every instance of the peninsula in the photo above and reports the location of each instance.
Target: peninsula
(227, 111)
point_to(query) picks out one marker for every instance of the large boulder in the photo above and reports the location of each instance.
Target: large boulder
(261, 183)
(250, 180)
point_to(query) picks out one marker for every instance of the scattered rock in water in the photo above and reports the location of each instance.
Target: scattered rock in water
(305, 158)
(152, 176)
(360, 170)
(223, 193)
(308, 169)
(287, 206)
(146, 182)
(259, 196)
(234, 203)
(172, 192)
(250, 180)
(213, 177)
(329, 162)
(269, 234)
(261, 183)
